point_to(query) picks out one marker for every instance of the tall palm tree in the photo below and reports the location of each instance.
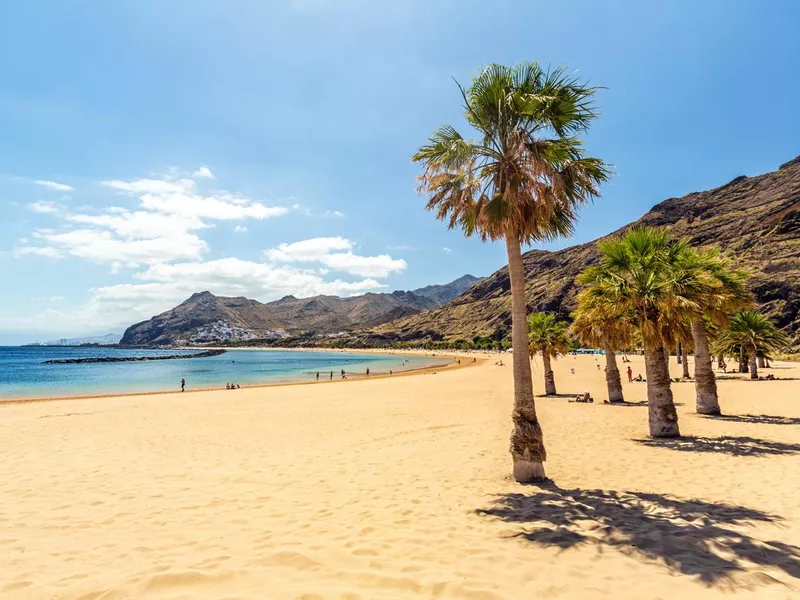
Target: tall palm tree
(752, 333)
(521, 179)
(594, 328)
(720, 289)
(547, 335)
(637, 276)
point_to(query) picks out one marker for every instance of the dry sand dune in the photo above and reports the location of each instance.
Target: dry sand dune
(399, 488)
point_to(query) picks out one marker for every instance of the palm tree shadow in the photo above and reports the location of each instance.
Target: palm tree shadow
(726, 444)
(629, 404)
(757, 419)
(692, 537)
(746, 377)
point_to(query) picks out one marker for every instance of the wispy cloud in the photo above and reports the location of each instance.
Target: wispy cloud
(54, 185)
(45, 207)
(163, 230)
(336, 254)
(447, 250)
(240, 229)
(324, 214)
(204, 173)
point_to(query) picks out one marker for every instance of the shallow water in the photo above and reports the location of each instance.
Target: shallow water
(23, 374)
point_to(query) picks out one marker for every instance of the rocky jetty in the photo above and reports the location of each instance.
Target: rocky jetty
(110, 359)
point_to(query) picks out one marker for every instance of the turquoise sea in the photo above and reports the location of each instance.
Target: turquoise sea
(23, 374)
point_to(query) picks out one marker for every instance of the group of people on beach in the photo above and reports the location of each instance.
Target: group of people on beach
(232, 386)
(344, 375)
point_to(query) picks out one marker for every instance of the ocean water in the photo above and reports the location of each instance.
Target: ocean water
(23, 374)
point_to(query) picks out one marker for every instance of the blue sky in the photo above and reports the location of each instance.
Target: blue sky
(149, 149)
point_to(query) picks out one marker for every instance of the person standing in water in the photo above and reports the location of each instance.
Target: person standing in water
(367, 371)
(331, 375)
(317, 375)
(183, 384)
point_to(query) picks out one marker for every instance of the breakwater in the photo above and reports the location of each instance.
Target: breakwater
(110, 359)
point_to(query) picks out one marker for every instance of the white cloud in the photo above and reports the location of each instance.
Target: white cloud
(104, 247)
(150, 186)
(204, 173)
(45, 207)
(240, 229)
(47, 252)
(382, 265)
(447, 250)
(138, 224)
(54, 185)
(313, 250)
(161, 230)
(326, 214)
(222, 208)
(335, 253)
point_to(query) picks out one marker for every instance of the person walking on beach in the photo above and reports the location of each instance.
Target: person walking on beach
(630, 375)
(183, 384)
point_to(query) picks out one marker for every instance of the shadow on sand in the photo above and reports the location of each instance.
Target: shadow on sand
(726, 444)
(756, 419)
(691, 537)
(746, 377)
(626, 403)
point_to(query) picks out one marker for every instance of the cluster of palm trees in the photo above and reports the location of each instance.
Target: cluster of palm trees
(521, 178)
(657, 293)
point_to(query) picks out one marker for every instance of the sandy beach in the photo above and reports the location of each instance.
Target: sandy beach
(399, 488)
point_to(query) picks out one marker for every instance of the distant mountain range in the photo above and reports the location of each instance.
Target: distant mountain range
(755, 220)
(108, 339)
(206, 318)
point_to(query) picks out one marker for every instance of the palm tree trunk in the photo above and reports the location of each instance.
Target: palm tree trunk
(685, 361)
(705, 383)
(680, 352)
(663, 417)
(753, 364)
(742, 361)
(549, 378)
(527, 440)
(613, 381)
(762, 363)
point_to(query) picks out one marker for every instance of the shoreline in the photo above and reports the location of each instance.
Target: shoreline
(451, 365)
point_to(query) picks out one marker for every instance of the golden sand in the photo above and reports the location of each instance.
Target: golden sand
(399, 488)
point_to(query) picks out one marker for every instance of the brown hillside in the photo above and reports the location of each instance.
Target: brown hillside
(756, 220)
(205, 318)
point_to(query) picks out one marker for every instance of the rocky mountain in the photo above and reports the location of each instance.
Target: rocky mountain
(205, 317)
(444, 293)
(755, 220)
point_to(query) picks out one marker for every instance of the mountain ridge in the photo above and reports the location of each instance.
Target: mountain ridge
(206, 318)
(755, 220)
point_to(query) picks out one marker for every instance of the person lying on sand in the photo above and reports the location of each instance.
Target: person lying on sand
(585, 397)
